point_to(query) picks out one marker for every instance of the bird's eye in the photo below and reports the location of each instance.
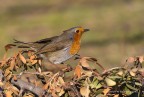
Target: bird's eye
(77, 31)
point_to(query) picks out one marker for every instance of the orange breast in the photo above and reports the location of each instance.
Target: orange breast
(76, 44)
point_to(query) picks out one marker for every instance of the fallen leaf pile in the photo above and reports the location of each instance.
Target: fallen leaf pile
(23, 76)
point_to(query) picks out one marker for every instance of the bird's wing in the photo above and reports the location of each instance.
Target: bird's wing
(52, 47)
(46, 40)
(36, 45)
(21, 44)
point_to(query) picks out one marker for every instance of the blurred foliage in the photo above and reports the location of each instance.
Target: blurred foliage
(116, 26)
(23, 76)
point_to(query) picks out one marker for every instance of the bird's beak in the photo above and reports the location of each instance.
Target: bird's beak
(85, 30)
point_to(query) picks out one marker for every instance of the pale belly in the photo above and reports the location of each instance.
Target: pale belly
(60, 56)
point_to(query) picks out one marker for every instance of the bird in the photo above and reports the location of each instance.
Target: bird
(57, 49)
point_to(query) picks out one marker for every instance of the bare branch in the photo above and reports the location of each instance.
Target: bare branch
(28, 86)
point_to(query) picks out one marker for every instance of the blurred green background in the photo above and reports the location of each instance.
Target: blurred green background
(117, 26)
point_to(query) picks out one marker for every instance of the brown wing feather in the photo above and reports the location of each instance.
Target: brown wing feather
(46, 40)
(36, 45)
(50, 48)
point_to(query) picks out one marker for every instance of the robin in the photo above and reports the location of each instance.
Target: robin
(57, 49)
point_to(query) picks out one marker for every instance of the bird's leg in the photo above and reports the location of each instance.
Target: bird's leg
(62, 63)
(68, 68)
(77, 56)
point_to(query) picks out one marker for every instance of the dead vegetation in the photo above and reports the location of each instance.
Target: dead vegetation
(23, 75)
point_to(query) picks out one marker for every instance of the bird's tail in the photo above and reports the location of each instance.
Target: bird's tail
(21, 44)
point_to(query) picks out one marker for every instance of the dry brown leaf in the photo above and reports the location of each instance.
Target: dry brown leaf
(15, 77)
(83, 62)
(8, 93)
(16, 67)
(54, 95)
(12, 64)
(85, 91)
(141, 59)
(130, 60)
(61, 80)
(1, 84)
(120, 73)
(15, 90)
(39, 70)
(61, 92)
(29, 95)
(142, 73)
(117, 95)
(88, 73)
(7, 85)
(105, 91)
(22, 58)
(5, 55)
(58, 89)
(53, 92)
(32, 57)
(141, 70)
(45, 86)
(28, 61)
(92, 59)
(40, 62)
(110, 82)
(7, 72)
(78, 71)
(132, 73)
(2, 63)
(9, 46)
(34, 62)
(135, 69)
(9, 76)
(30, 53)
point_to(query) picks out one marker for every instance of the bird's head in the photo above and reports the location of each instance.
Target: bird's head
(75, 32)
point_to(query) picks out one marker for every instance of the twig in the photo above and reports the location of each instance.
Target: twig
(74, 89)
(29, 86)
(35, 73)
(109, 70)
(70, 86)
(100, 65)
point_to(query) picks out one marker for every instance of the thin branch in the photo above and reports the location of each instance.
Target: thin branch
(29, 86)
(109, 70)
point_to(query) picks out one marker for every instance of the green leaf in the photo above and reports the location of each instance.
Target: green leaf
(100, 95)
(66, 95)
(110, 82)
(127, 91)
(120, 73)
(114, 77)
(95, 84)
(99, 91)
(138, 84)
(131, 87)
(98, 86)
